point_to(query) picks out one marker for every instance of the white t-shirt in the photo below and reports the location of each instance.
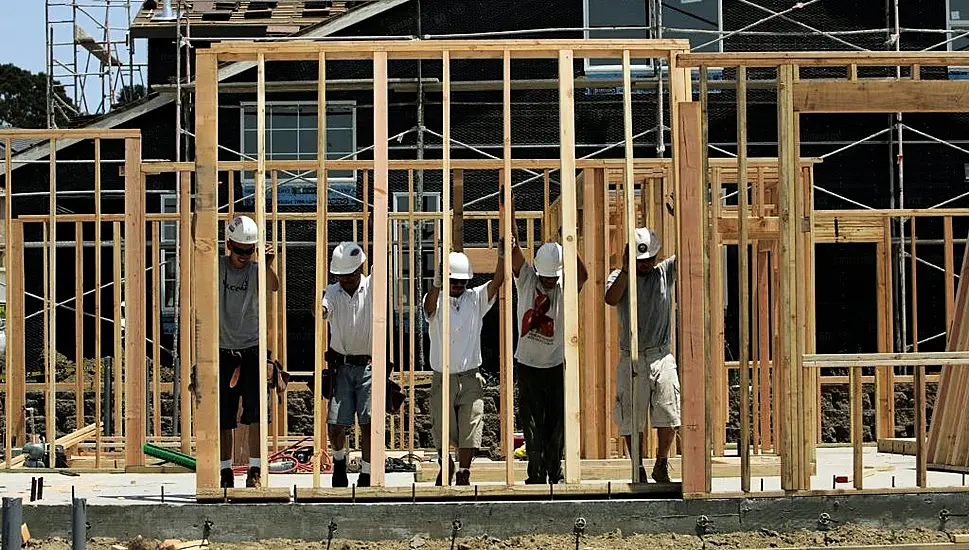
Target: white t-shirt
(544, 344)
(350, 318)
(467, 313)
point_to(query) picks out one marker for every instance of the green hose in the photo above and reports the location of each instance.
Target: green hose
(169, 455)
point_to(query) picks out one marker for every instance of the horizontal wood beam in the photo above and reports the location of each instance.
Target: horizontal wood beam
(69, 133)
(458, 49)
(881, 96)
(855, 360)
(814, 59)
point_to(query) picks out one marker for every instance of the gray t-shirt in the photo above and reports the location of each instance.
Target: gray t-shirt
(654, 306)
(238, 305)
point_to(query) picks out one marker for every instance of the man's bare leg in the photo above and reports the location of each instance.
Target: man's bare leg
(364, 480)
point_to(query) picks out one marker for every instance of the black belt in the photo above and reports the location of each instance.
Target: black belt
(337, 359)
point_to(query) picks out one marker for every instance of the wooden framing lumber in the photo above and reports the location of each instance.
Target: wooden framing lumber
(569, 251)
(744, 293)
(322, 250)
(206, 390)
(691, 290)
(135, 352)
(79, 325)
(880, 96)
(381, 250)
(506, 309)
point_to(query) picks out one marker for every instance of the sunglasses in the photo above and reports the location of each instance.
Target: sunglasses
(243, 251)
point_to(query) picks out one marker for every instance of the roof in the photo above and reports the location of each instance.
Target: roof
(272, 17)
(18, 145)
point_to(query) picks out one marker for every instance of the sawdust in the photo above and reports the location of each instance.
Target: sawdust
(845, 535)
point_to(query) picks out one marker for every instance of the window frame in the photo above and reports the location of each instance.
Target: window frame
(647, 69)
(337, 181)
(962, 25)
(167, 251)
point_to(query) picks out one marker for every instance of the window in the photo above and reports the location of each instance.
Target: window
(169, 230)
(291, 135)
(957, 18)
(424, 231)
(702, 15)
(169, 281)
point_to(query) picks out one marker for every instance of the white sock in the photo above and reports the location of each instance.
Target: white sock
(340, 455)
(227, 464)
(364, 467)
(254, 462)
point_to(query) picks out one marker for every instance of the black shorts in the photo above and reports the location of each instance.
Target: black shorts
(247, 389)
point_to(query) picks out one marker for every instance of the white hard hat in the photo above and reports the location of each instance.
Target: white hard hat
(347, 257)
(460, 266)
(647, 243)
(548, 260)
(242, 230)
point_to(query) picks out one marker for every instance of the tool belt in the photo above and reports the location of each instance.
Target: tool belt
(395, 396)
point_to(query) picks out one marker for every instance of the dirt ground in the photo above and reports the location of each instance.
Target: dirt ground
(845, 535)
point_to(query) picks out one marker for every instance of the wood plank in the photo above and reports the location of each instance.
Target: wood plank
(744, 290)
(569, 251)
(885, 377)
(206, 390)
(16, 349)
(117, 358)
(78, 324)
(445, 247)
(507, 399)
(381, 250)
(691, 290)
(50, 303)
(880, 96)
(487, 492)
(67, 441)
(322, 248)
(919, 389)
(789, 448)
(949, 273)
(98, 268)
(593, 316)
(134, 314)
(156, 327)
(186, 259)
(262, 293)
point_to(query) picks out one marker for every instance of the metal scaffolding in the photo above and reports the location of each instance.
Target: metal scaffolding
(91, 56)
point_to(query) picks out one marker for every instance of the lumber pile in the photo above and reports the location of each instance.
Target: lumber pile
(67, 441)
(948, 441)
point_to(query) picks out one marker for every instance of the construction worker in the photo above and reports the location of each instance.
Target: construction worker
(466, 395)
(239, 341)
(348, 307)
(540, 359)
(657, 384)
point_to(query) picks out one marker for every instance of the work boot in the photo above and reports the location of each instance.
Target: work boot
(463, 477)
(661, 470)
(254, 478)
(450, 468)
(643, 478)
(340, 473)
(227, 480)
(363, 480)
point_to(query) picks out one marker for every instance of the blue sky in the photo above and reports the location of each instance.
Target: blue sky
(22, 33)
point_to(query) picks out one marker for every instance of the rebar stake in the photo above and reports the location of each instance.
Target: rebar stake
(329, 535)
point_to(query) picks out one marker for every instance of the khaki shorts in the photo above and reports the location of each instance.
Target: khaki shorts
(466, 422)
(658, 389)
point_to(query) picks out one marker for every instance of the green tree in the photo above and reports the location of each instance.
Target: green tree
(23, 98)
(128, 94)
